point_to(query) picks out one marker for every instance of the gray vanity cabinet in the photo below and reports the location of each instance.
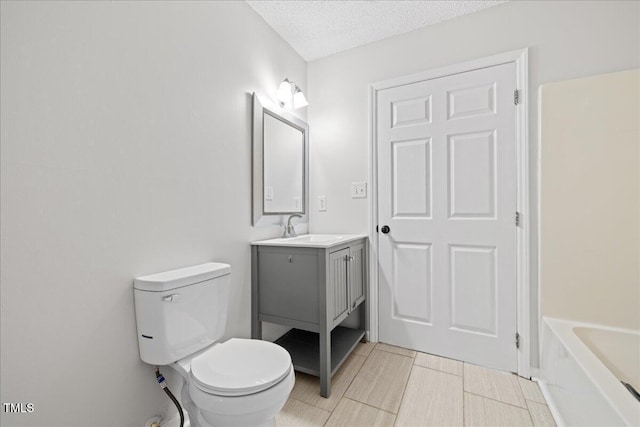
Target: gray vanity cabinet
(312, 290)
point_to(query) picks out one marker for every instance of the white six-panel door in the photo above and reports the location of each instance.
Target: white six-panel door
(447, 192)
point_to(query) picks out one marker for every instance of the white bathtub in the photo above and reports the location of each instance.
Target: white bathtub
(581, 369)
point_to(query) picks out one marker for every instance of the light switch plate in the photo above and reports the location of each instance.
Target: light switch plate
(322, 203)
(358, 190)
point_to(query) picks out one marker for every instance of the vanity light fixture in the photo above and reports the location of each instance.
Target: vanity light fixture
(289, 94)
(284, 92)
(299, 100)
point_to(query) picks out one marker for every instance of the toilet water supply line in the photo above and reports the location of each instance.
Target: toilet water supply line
(162, 383)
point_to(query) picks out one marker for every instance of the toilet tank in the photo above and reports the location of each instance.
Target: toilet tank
(181, 311)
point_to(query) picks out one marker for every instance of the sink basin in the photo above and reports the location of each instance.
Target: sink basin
(320, 238)
(311, 240)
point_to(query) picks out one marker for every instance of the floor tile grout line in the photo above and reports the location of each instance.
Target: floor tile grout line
(496, 400)
(309, 404)
(388, 352)
(522, 390)
(525, 401)
(392, 352)
(525, 398)
(518, 407)
(505, 374)
(370, 406)
(349, 385)
(464, 420)
(535, 401)
(462, 362)
(354, 377)
(549, 412)
(313, 406)
(438, 370)
(404, 391)
(531, 417)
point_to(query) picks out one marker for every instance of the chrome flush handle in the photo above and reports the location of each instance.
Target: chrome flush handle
(170, 298)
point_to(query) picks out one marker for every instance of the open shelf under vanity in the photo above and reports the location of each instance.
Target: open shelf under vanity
(304, 347)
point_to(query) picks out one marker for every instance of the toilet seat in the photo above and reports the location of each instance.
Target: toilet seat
(240, 367)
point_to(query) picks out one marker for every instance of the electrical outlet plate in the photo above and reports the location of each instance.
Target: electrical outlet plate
(322, 203)
(268, 193)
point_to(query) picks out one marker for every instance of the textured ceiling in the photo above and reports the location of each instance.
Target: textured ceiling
(320, 28)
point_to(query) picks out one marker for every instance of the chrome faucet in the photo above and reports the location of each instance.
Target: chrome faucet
(290, 229)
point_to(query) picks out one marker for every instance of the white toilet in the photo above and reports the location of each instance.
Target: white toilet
(181, 316)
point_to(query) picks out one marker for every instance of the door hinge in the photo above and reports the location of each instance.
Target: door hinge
(517, 340)
(376, 229)
(516, 97)
(517, 218)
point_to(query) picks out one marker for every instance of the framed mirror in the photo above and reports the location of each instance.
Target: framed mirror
(280, 161)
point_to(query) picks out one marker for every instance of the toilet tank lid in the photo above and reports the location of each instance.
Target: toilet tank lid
(173, 279)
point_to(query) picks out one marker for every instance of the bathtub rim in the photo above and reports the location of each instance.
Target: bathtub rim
(604, 380)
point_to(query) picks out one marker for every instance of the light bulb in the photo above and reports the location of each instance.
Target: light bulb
(284, 92)
(299, 100)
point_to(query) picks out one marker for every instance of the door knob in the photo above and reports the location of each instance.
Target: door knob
(385, 229)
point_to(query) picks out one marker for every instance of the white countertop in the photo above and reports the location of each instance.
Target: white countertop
(311, 240)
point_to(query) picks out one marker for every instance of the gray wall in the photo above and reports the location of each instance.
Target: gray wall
(566, 40)
(126, 150)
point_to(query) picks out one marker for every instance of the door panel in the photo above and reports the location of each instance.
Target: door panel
(412, 292)
(338, 294)
(411, 111)
(471, 101)
(357, 274)
(471, 162)
(473, 288)
(411, 186)
(447, 190)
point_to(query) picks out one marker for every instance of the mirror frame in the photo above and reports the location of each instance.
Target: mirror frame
(262, 106)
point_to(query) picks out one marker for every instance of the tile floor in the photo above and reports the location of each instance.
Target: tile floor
(382, 385)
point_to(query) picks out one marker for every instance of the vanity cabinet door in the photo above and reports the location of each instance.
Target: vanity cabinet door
(338, 295)
(357, 274)
(289, 283)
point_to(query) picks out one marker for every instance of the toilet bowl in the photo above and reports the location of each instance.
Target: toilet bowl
(181, 317)
(239, 383)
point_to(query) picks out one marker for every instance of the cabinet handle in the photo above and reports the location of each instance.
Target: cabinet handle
(348, 258)
(290, 258)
